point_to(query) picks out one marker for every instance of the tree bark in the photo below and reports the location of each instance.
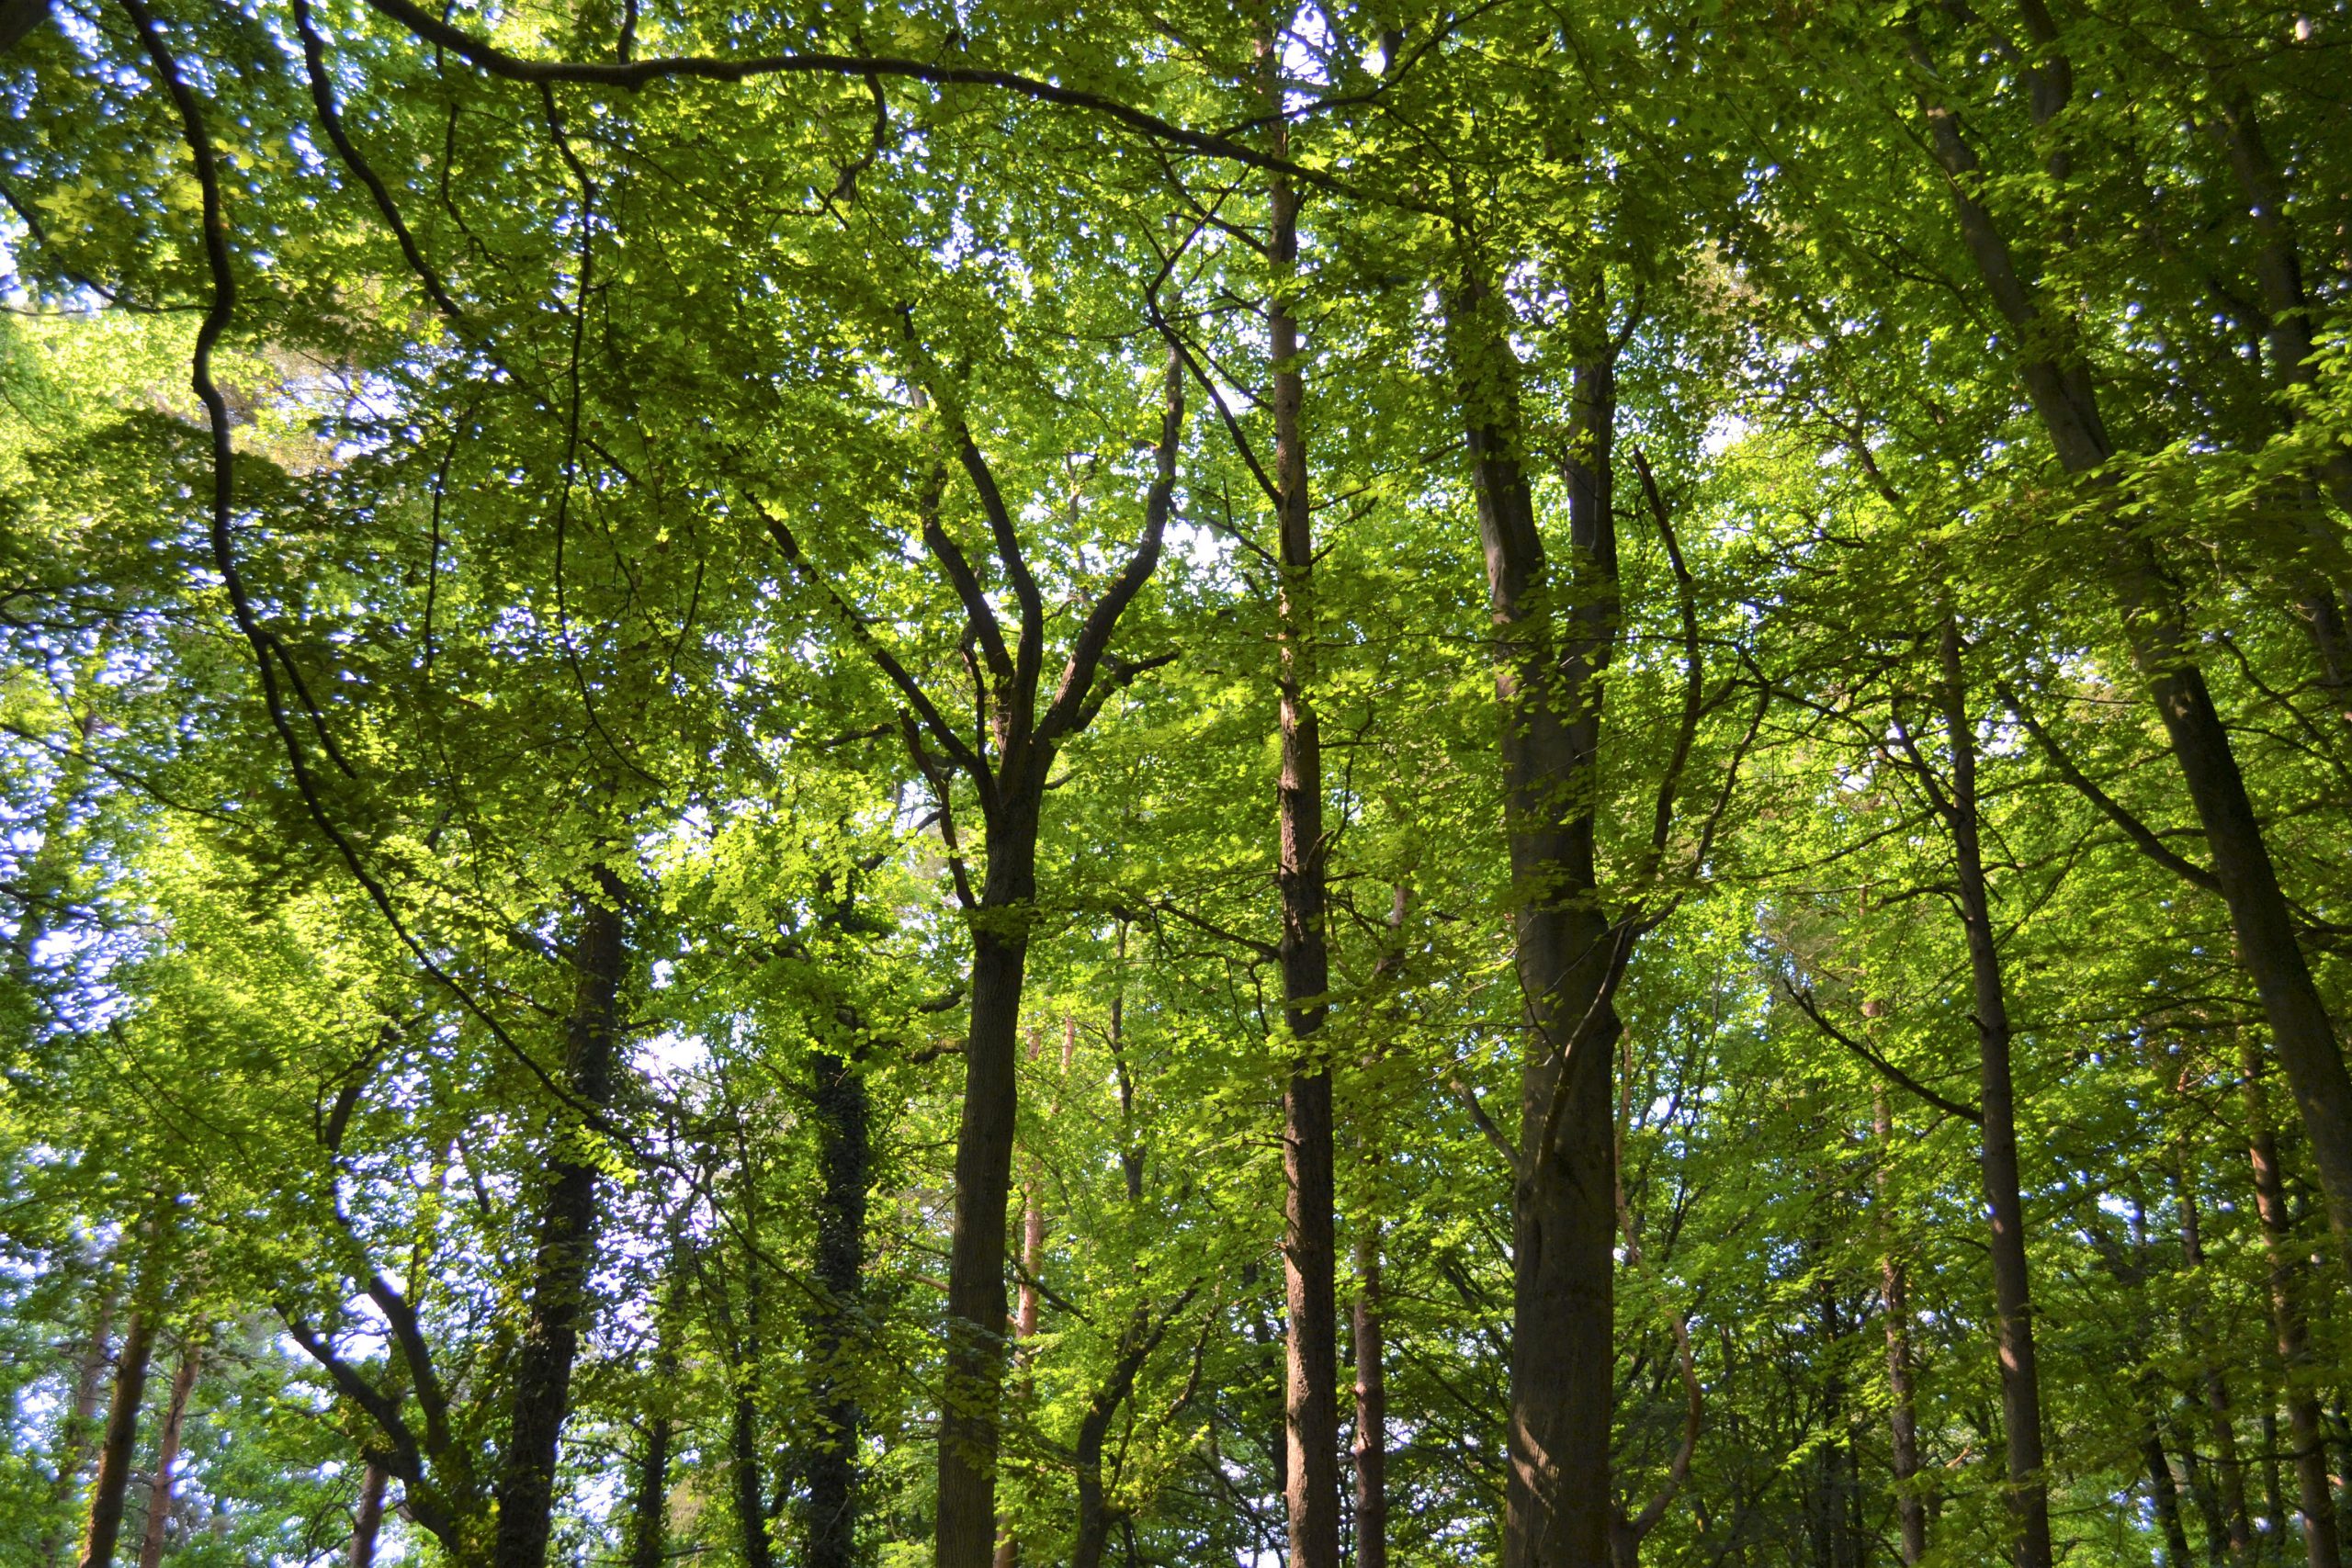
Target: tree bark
(1310, 1241)
(2229, 1467)
(566, 1245)
(2166, 1497)
(2315, 1496)
(1137, 1342)
(649, 1528)
(1024, 1322)
(974, 1390)
(1372, 1403)
(2029, 1496)
(1895, 1304)
(115, 1448)
(1558, 1508)
(746, 1478)
(1012, 789)
(167, 1449)
(844, 1154)
(82, 1416)
(2065, 401)
(367, 1519)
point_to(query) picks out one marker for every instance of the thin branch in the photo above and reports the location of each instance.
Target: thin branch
(1893, 1073)
(2139, 833)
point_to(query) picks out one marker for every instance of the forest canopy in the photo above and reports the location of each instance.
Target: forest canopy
(1551, 784)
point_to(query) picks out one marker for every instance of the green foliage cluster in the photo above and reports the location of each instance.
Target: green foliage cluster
(630, 445)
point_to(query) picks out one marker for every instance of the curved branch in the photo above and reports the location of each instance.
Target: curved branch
(1894, 1074)
(631, 76)
(1070, 711)
(2139, 833)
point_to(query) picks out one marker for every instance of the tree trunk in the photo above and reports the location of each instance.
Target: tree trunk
(974, 1388)
(1372, 1404)
(2029, 1496)
(2166, 1497)
(367, 1519)
(2066, 402)
(844, 1155)
(1094, 1518)
(1895, 1304)
(2208, 1500)
(1310, 1242)
(1558, 1508)
(566, 1247)
(2229, 1467)
(82, 1416)
(1024, 1321)
(648, 1530)
(1013, 790)
(2315, 1494)
(746, 1478)
(167, 1449)
(121, 1437)
(1131, 1149)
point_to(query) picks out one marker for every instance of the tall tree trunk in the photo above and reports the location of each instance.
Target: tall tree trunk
(2315, 1494)
(747, 1469)
(1011, 789)
(649, 1528)
(1310, 1241)
(2029, 1495)
(2274, 1505)
(368, 1518)
(747, 1477)
(1137, 1342)
(1372, 1403)
(167, 1449)
(2166, 1497)
(2066, 402)
(121, 1437)
(1024, 1319)
(974, 1390)
(565, 1246)
(845, 1156)
(1558, 1509)
(82, 1416)
(2230, 1470)
(1131, 1149)
(1895, 1304)
(1369, 1350)
(1838, 1544)
(2208, 1500)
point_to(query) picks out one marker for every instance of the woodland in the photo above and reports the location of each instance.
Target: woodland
(1542, 782)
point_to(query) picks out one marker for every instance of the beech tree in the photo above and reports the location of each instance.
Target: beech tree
(1547, 784)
